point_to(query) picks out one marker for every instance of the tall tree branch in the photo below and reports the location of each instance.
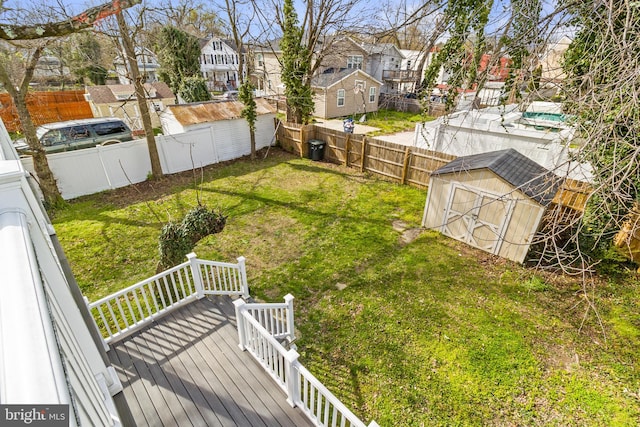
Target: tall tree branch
(62, 28)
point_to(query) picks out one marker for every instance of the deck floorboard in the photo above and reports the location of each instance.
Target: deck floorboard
(186, 369)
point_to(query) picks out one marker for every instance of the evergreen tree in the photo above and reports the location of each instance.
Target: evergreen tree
(194, 89)
(296, 68)
(179, 57)
(245, 94)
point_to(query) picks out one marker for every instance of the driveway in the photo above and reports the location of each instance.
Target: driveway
(402, 138)
(337, 125)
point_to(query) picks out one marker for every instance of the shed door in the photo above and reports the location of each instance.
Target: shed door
(476, 217)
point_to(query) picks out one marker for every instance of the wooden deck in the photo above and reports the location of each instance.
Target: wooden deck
(187, 370)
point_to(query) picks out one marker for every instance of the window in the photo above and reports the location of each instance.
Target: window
(408, 64)
(340, 97)
(354, 61)
(260, 60)
(109, 128)
(372, 94)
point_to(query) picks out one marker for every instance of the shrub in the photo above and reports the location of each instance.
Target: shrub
(177, 240)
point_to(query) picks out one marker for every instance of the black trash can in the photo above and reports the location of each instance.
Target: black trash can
(316, 149)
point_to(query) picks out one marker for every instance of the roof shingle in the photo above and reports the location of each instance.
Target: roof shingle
(518, 170)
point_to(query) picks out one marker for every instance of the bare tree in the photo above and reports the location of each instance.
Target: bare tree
(137, 78)
(17, 84)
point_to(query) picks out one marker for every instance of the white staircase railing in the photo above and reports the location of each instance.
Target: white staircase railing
(130, 309)
(302, 388)
(276, 318)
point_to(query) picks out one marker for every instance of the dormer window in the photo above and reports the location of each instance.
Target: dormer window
(354, 61)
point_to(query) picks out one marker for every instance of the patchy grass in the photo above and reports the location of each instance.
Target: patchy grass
(425, 333)
(389, 121)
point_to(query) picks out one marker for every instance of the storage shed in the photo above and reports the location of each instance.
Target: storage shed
(214, 115)
(493, 201)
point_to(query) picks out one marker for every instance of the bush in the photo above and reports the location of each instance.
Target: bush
(177, 240)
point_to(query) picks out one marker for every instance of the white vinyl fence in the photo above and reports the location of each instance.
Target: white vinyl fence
(92, 170)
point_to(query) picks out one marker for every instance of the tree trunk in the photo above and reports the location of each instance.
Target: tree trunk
(127, 44)
(253, 144)
(46, 180)
(50, 192)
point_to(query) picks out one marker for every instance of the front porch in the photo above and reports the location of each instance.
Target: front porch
(187, 369)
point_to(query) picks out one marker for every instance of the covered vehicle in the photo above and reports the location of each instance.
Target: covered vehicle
(78, 134)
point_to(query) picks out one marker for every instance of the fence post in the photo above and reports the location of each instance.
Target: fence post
(373, 424)
(195, 273)
(243, 277)
(239, 306)
(347, 147)
(405, 165)
(302, 141)
(288, 299)
(291, 377)
(364, 145)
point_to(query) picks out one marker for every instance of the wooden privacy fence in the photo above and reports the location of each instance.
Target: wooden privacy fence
(46, 107)
(403, 164)
(399, 163)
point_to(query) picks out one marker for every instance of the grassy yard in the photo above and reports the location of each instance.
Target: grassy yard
(422, 332)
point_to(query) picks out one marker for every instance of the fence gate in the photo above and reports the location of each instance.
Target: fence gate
(476, 217)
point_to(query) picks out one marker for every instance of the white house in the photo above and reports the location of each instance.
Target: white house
(383, 63)
(220, 63)
(413, 60)
(148, 66)
(50, 67)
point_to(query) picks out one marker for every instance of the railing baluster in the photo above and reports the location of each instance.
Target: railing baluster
(164, 282)
(113, 316)
(133, 315)
(180, 273)
(137, 300)
(159, 290)
(104, 320)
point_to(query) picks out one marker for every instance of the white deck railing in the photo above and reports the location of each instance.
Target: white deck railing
(276, 318)
(128, 310)
(261, 328)
(303, 389)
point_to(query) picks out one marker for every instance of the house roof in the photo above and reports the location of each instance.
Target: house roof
(203, 42)
(380, 48)
(518, 170)
(107, 94)
(213, 111)
(140, 52)
(326, 80)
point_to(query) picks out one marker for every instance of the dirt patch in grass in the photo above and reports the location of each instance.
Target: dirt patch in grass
(167, 185)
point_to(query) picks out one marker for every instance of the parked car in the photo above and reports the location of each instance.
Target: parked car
(78, 134)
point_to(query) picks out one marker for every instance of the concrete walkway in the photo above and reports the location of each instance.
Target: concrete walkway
(337, 125)
(402, 138)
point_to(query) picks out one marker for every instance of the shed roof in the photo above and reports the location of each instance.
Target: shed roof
(213, 111)
(106, 94)
(518, 170)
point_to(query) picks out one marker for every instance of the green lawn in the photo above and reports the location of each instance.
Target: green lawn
(426, 333)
